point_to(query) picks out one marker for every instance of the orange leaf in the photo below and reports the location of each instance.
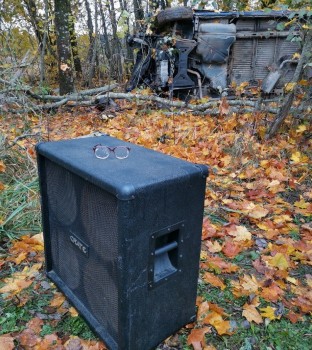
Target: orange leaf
(219, 265)
(28, 338)
(293, 317)
(252, 314)
(272, 293)
(50, 342)
(216, 320)
(197, 337)
(203, 309)
(21, 257)
(6, 342)
(231, 249)
(209, 347)
(2, 167)
(214, 280)
(224, 106)
(15, 284)
(35, 324)
(58, 300)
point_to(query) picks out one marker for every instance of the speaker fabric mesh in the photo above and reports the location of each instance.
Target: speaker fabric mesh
(92, 218)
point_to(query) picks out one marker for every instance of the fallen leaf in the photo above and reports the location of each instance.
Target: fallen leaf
(272, 293)
(216, 320)
(278, 260)
(35, 324)
(73, 312)
(6, 342)
(58, 300)
(2, 167)
(251, 314)
(213, 247)
(232, 249)
(203, 309)
(258, 212)
(214, 280)
(28, 338)
(240, 233)
(224, 106)
(15, 284)
(50, 342)
(197, 337)
(269, 312)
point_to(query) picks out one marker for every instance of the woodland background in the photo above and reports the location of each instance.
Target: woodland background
(254, 291)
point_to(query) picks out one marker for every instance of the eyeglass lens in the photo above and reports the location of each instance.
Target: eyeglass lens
(121, 152)
(103, 152)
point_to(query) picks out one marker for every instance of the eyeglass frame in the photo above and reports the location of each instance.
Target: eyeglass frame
(111, 149)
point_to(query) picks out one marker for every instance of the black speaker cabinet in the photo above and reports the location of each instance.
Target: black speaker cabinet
(122, 237)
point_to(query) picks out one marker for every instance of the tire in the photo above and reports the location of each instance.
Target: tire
(174, 14)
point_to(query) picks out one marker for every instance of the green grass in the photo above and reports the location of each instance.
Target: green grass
(277, 335)
(19, 201)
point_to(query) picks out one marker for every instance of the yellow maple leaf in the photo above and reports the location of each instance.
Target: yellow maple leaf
(73, 312)
(293, 280)
(301, 128)
(289, 87)
(278, 260)
(269, 312)
(298, 157)
(301, 204)
(296, 55)
(240, 233)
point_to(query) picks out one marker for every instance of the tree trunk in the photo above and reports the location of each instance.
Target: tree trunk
(91, 41)
(117, 60)
(34, 19)
(44, 43)
(62, 13)
(74, 45)
(94, 47)
(138, 11)
(287, 103)
(107, 47)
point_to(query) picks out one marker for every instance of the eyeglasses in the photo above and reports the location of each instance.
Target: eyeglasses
(102, 152)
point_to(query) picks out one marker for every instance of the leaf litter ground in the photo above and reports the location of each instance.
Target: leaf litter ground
(254, 289)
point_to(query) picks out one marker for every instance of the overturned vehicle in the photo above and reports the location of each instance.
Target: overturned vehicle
(204, 53)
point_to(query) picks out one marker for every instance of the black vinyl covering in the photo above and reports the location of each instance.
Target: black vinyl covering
(122, 237)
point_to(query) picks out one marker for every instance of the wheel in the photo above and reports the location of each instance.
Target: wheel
(174, 14)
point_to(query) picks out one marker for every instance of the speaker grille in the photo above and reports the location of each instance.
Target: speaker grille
(84, 242)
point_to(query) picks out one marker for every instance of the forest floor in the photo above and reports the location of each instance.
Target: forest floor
(255, 283)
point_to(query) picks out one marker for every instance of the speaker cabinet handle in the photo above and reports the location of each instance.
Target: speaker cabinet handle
(166, 248)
